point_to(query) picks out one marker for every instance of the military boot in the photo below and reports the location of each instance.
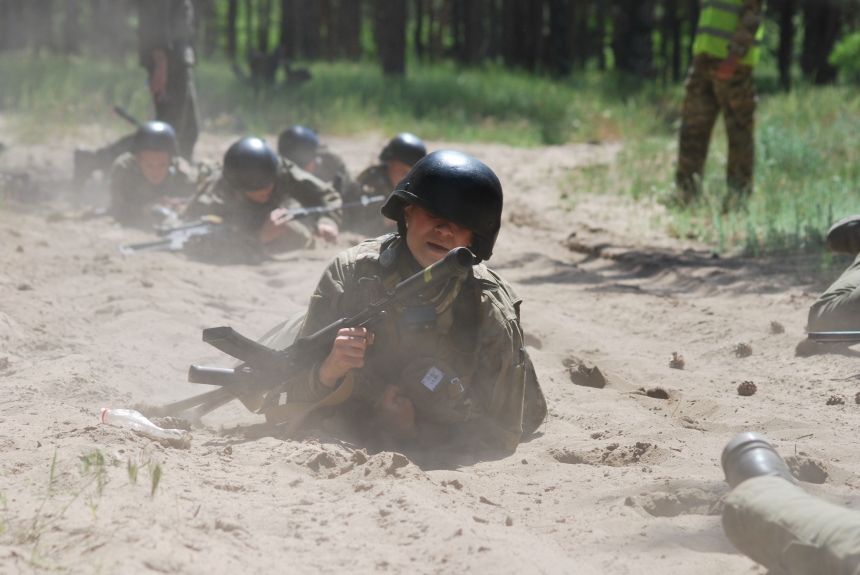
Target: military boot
(843, 237)
(749, 455)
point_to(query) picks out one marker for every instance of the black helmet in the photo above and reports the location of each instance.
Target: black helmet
(250, 165)
(407, 148)
(155, 137)
(298, 144)
(456, 187)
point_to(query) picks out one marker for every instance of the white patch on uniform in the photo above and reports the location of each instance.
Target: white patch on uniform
(432, 378)
(282, 400)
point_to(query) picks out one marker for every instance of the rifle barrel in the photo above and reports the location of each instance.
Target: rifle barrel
(834, 336)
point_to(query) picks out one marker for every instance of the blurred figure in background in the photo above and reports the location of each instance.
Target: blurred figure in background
(720, 80)
(396, 159)
(147, 183)
(165, 37)
(302, 146)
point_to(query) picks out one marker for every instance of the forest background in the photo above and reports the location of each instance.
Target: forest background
(521, 72)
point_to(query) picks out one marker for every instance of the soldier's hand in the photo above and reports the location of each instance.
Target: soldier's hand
(727, 67)
(280, 216)
(396, 412)
(346, 353)
(158, 79)
(327, 231)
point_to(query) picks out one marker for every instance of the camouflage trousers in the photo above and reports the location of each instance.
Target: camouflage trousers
(838, 309)
(705, 97)
(780, 526)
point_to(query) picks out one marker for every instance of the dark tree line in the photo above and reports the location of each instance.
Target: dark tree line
(646, 38)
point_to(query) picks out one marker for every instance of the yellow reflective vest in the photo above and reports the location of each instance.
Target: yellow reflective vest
(717, 24)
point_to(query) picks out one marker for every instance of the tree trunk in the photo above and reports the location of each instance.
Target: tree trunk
(264, 19)
(822, 21)
(309, 28)
(349, 27)
(676, 42)
(232, 16)
(419, 29)
(632, 37)
(391, 36)
(693, 18)
(558, 33)
(71, 43)
(600, 35)
(787, 10)
(474, 36)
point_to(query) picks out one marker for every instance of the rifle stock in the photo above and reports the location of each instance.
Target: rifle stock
(265, 368)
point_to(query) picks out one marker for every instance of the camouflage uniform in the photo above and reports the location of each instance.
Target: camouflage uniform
(294, 188)
(373, 181)
(468, 376)
(706, 96)
(132, 194)
(780, 526)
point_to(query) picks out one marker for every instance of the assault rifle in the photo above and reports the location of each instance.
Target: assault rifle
(174, 238)
(264, 369)
(834, 336)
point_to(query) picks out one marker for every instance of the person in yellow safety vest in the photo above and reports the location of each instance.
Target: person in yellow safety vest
(720, 79)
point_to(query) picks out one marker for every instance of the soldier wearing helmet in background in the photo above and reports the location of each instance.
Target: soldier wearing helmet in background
(254, 189)
(302, 146)
(165, 46)
(452, 371)
(396, 159)
(148, 177)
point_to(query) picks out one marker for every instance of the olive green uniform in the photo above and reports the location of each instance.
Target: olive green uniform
(373, 181)
(294, 188)
(780, 526)
(330, 168)
(838, 309)
(132, 194)
(466, 372)
(706, 96)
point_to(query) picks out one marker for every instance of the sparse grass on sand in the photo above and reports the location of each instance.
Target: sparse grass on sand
(808, 173)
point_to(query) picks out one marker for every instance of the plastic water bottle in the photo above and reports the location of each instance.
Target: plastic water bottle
(131, 419)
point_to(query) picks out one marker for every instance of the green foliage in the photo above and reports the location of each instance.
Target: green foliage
(807, 176)
(55, 93)
(846, 54)
(155, 476)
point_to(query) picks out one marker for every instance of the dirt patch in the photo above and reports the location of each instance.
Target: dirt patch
(747, 388)
(612, 455)
(585, 375)
(806, 469)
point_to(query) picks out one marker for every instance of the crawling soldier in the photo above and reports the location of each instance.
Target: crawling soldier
(302, 146)
(148, 177)
(253, 191)
(396, 159)
(452, 369)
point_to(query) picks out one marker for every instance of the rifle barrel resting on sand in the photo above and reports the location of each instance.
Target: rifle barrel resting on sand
(174, 238)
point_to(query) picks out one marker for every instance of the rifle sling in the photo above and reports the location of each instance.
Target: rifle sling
(293, 414)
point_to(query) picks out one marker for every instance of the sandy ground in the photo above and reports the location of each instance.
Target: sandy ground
(616, 481)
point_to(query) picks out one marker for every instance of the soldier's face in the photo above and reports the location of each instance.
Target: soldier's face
(397, 170)
(430, 237)
(154, 165)
(261, 196)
